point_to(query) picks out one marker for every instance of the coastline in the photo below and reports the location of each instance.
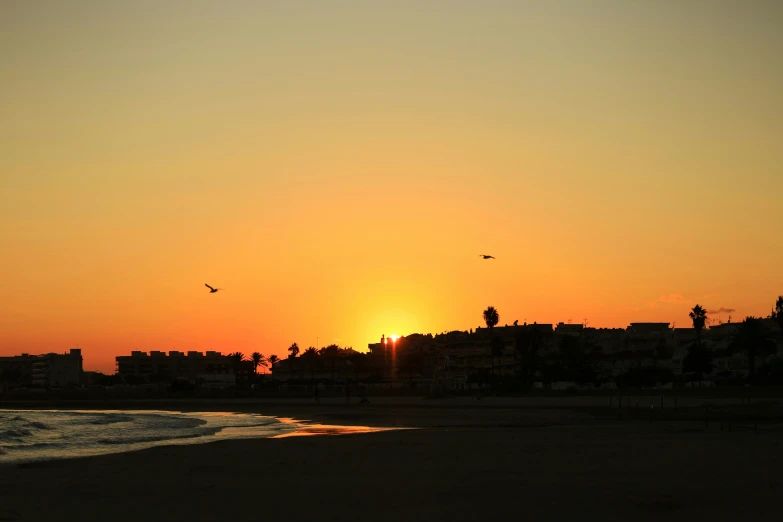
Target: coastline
(424, 412)
(463, 464)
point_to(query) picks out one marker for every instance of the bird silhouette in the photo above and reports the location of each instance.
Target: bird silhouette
(485, 256)
(212, 290)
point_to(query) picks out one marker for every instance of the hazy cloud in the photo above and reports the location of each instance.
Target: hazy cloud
(721, 310)
(672, 298)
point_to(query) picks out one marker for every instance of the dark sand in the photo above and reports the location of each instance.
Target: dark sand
(480, 462)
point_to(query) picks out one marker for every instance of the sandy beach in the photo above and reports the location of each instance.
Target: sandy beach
(480, 462)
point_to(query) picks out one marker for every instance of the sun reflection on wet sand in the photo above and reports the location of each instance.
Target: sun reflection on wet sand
(309, 430)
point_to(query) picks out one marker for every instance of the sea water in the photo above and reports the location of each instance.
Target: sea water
(27, 435)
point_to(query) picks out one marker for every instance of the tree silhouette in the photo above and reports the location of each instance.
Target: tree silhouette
(273, 359)
(311, 356)
(357, 360)
(258, 360)
(699, 317)
(777, 313)
(411, 361)
(751, 338)
(237, 358)
(331, 353)
(293, 351)
(698, 361)
(491, 317)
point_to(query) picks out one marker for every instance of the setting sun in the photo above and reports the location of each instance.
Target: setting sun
(213, 212)
(323, 149)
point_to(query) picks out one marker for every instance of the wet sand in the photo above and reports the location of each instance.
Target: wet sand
(476, 463)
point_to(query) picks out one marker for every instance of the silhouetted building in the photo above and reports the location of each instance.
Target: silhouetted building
(648, 336)
(55, 370)
(456, 356)
(157, 366)
(16, 371)
(608, 341)
(569, 329)
(610, 352)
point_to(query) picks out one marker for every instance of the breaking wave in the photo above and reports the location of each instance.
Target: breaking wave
(43, 435)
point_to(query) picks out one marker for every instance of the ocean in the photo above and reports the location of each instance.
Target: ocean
(28, 435)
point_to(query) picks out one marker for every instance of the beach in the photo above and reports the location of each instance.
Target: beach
(463, 463)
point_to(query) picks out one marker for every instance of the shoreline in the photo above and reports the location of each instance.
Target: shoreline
(412, 411)
(624, 472)
(291, 427)
(463, 464)
(417, 413)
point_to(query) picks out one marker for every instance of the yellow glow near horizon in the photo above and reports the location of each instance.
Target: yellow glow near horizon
(394, 338)
(339, 168)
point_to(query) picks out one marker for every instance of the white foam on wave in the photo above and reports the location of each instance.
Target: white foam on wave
(27, 435)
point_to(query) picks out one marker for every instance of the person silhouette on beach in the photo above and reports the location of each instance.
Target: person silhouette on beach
(315, 395)
(347, 394)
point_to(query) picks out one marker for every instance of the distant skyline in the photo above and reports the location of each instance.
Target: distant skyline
(336, 168)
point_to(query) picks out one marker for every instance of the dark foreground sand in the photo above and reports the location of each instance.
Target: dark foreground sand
(481, 464)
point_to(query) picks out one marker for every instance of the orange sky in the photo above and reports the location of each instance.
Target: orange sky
(337, 167)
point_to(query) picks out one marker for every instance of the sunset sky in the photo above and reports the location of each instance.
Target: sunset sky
(338, 167)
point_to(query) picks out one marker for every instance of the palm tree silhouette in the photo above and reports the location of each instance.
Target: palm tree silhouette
(293, 351)
(258, 360)
(237, 357)
(698, 359)
(272, 360)
(699, 317)
(491, 317)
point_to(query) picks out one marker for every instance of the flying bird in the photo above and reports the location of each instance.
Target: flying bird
(485, 256)
(212, 290)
